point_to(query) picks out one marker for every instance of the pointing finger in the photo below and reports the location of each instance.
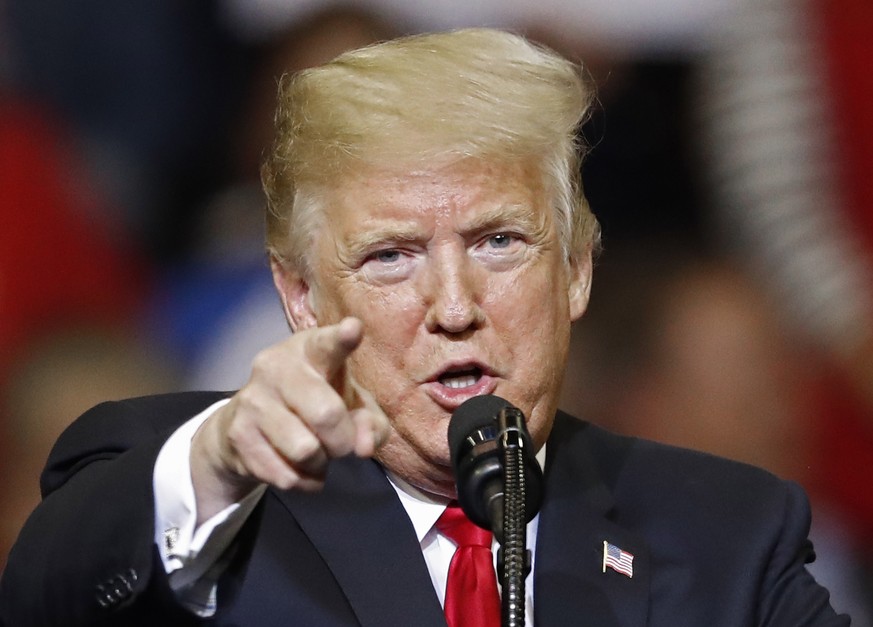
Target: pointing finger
(327, 348)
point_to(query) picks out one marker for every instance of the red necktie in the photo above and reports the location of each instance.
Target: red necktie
(471, 590)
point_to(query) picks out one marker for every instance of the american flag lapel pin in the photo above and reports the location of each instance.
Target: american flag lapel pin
(618, 560)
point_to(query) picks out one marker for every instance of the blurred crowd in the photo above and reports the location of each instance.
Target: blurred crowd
(730, 166)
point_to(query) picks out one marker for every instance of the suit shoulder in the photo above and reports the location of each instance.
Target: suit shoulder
(690, 473)
(112, 427)
(650, 476)
(693, 507)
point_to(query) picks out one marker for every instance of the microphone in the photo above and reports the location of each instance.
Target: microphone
(480, 430)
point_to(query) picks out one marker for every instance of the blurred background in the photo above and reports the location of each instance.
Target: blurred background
(731, 167)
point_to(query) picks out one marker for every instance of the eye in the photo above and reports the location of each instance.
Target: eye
(501, 240)
(388, 265)
(501, 249)
(392, 255)
(502, 243)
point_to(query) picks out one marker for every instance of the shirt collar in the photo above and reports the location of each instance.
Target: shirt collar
(425, 509)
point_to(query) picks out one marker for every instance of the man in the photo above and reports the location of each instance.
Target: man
(429, 242)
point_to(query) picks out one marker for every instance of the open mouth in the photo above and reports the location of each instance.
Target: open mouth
(461, 378)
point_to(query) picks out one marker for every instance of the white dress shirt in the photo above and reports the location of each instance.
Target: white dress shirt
(189, 554)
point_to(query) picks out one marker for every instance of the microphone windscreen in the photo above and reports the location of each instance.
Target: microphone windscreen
(474, 413)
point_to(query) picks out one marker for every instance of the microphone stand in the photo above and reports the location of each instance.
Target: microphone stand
(500, 487)
(513, 558)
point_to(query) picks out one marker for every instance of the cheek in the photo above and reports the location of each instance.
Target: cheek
(539, 336)
(382, 307)
(389, 331)
(533, 302)
(381, 310)
(374, 362)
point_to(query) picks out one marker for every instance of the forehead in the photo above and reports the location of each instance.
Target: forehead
(471, 191)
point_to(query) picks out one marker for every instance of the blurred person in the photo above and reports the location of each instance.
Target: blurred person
(147, 88)
(430, 243)
(60, 375)
(64, 266)
(685, 349)
(61, 264)
(785, 130)
(59, 260)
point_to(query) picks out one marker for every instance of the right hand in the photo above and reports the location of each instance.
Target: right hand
(299, 410)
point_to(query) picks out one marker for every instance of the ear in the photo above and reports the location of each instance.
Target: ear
(295, 293)
(579, 288)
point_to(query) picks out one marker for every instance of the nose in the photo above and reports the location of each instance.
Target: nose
(453, 295)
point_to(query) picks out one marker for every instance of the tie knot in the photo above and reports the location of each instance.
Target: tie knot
(455, 525)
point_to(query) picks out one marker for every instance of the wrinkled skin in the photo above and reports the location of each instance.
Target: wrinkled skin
(459, 280)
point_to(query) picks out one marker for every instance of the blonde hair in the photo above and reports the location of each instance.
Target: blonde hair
(469, 94)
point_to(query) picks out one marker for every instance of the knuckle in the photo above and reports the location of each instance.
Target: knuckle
(329, 414)
(243, 448)
(303, 448)
(262, 364)
(238, 435)
(249, 401)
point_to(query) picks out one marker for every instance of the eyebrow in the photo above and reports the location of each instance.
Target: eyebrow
(503, 216)
(499, 217)
(365, 240)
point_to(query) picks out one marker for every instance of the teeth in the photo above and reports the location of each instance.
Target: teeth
(460, 382)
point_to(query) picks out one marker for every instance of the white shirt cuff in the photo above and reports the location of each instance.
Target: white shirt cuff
(178, 541)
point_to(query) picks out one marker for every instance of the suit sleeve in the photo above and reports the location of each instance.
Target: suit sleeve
(86, 555)
(790, 595)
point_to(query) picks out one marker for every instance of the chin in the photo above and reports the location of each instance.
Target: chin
(431, 474)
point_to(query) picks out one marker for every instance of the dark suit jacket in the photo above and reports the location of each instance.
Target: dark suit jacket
(716, 543)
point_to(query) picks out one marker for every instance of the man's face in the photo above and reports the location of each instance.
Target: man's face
(459, 278)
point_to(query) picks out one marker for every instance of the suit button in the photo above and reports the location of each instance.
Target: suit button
(116, 589)
(105, 598)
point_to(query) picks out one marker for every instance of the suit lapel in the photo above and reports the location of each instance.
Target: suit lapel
(570, 585)
(361, 530)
